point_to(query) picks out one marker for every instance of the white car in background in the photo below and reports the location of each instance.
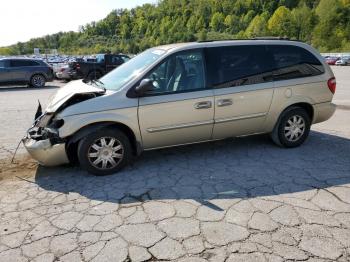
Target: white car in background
(344, 61)
(63, 72)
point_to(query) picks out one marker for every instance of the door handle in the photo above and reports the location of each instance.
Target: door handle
(225, 102)
(202, 105)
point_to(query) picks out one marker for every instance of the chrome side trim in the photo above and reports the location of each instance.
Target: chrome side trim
(201, 123)
(229, 119)
(172, 127)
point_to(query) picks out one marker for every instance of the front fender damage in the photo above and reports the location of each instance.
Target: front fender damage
(43, 141)
(44, 144)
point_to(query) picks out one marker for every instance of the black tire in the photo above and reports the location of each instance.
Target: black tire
(290, 135)
(93, 75)
(37, 81)
(86, 150)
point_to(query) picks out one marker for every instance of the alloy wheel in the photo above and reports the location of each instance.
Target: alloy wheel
(105, 153)
(38, 80)
(294, 128)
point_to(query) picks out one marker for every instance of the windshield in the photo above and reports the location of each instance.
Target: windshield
(131, 69)
(100, 58)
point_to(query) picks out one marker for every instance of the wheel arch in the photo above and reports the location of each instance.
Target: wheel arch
(304, 105)
(73, 140)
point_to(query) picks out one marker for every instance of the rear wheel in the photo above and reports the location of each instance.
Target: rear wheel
(293, 128)
(104, 152)
(37, 81)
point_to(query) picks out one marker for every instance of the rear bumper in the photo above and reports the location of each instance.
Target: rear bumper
(323, 112)
(46, 153)
(73, 74)
(61, 75)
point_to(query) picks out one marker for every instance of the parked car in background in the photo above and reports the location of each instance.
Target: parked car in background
(95, 69)
(63, 72)
(186, 93)
(332, 60)
(25, 71)
(344, 61)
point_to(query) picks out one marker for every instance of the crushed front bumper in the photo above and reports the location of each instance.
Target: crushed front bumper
(45, 153)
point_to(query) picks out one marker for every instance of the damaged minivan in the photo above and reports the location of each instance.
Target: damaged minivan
(185, 93)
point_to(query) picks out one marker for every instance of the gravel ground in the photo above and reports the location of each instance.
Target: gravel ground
(234, 200)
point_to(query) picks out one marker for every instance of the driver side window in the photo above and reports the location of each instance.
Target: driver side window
(179, 73)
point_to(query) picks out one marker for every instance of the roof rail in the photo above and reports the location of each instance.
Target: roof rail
(254, 38)
(270, 38)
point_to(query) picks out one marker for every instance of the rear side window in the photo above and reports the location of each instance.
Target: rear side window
(2, 63)
(20, 63)
(238, 65)
(116, 60)
(293, 62)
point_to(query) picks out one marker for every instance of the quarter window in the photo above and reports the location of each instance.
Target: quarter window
(294, 62)
(179, 73)
(238, 65)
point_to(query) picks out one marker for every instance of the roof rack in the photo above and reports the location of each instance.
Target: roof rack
(270, 38)
(254, 38)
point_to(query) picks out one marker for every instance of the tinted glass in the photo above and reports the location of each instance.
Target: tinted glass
(116, 60)
(18, 63)
(2, 63)
(179, 73)
(100, 58)
(125, 58)
(294, 62)
(238, 65)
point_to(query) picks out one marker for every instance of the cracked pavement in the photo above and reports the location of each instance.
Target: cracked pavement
(233, 200)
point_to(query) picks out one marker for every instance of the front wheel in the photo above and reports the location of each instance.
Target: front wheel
(104, 152)
(293, 128)
(37, 81)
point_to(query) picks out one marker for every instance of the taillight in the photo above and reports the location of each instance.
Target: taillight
(332, 84)
(77, 66)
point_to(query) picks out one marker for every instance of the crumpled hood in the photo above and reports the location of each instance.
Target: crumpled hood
(68, 91)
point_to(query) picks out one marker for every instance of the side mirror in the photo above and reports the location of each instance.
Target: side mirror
(145, 86)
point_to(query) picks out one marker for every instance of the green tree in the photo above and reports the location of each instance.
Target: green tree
(217, 22)
(323, 23)
(257, 27)
(280, 23)
(303, 22)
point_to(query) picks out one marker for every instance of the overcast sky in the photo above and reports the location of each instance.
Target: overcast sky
(21, 20)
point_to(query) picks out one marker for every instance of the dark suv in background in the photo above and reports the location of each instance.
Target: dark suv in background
(25, 71)
(95, 69)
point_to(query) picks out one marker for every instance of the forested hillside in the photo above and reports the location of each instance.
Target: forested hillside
(323, 23)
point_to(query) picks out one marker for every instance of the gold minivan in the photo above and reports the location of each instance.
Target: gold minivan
(185, 93)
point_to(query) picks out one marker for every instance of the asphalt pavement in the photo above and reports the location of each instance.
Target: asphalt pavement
(235, 200)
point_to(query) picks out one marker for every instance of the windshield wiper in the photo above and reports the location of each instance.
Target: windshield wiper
(98, 83)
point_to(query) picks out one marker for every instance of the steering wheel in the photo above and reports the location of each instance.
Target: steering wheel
(156, 80)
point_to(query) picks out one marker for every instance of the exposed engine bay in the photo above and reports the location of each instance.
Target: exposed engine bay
(43, 141)
(46, 125)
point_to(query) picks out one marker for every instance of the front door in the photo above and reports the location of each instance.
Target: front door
(243, 89)
(19, 69)
(5, 73)
(180, 109)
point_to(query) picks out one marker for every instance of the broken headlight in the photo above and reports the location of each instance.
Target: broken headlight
(44, 120)
(56, 123)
